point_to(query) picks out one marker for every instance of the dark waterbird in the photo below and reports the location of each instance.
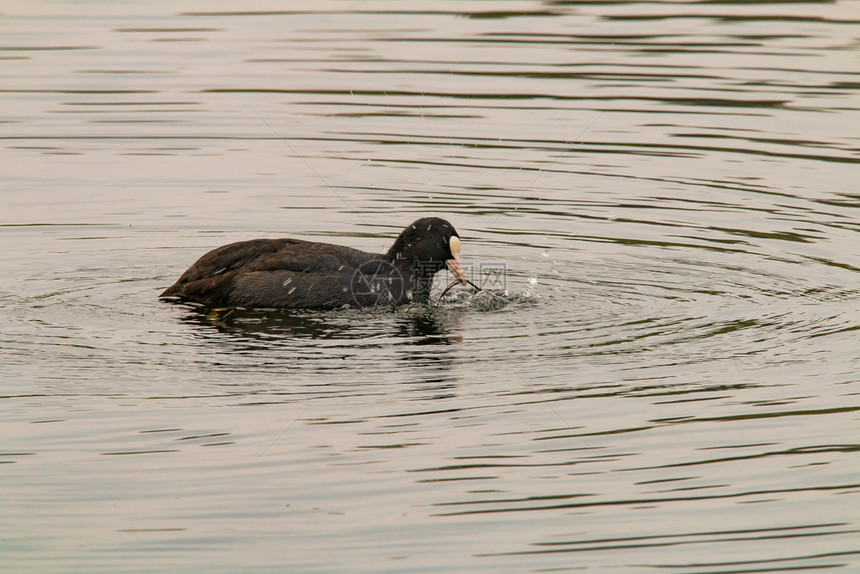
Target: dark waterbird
(291, 273)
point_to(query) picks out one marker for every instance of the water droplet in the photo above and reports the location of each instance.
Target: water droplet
(291, 289)
(287, 282)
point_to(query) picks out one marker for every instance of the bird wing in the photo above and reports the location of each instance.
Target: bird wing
(213, 274)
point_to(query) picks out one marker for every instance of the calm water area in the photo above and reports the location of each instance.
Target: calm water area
(661, 199)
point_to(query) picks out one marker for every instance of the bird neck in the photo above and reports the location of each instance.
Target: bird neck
(417, 275)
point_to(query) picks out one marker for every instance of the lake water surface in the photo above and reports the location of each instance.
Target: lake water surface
(661, 197)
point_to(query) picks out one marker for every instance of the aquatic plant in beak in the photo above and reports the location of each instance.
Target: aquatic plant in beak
(456, 268)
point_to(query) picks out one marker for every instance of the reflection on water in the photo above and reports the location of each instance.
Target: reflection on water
(414, 325)
(663, 378)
